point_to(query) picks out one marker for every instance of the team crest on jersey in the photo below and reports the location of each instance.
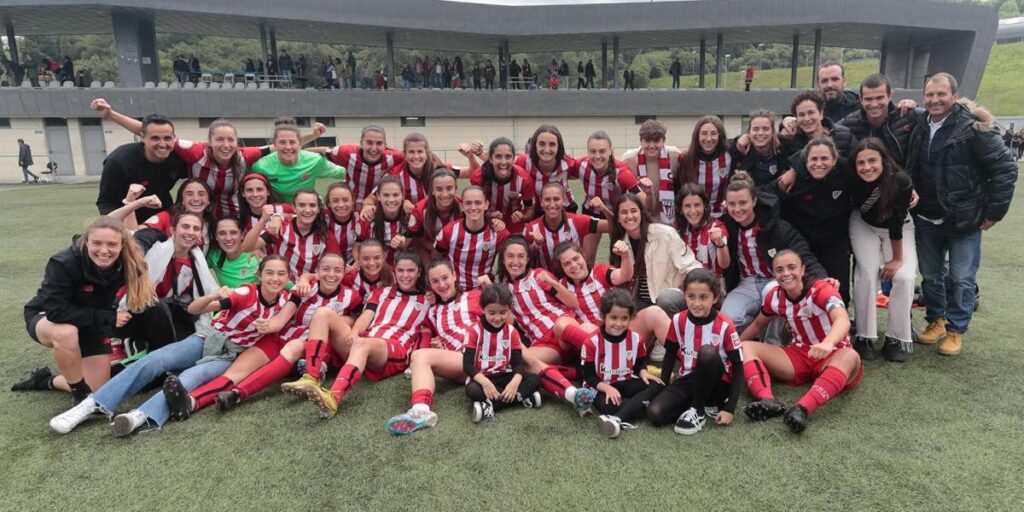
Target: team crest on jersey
(306, 176)
(242, 291)
(486, 246)
(836, 194)
(319, 248)
(716, 339)
(506, 341)
(244, 272)
(773, 169)
(630, 354)
(589, 287)
(723, 172)
(771, 252)
(805, 312)
(418, 306)
(184, 144)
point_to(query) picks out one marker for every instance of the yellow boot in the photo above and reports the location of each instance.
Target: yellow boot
(952, 344)
(936, 331)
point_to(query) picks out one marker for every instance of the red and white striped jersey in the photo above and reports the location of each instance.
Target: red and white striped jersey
(713, 175)
(451, 321)
(344, 301)
(392, 228)
(515, 194)
(180, 270)
(536, 307)
(243, 307)
(301, 251)
(752, 262)
(281, 208)
(417, 225)
(397, 315)
(703, 248)
(471, 252)
(563, 172)
(607, 186)
(613, 358)
(692, 334)
(572, 228)
(666, 188)
(493, 348)
(808, 316)
(343, 235)
(413, 186)
(221, 180)
(355, 279)
(589, 292)
(362, 177)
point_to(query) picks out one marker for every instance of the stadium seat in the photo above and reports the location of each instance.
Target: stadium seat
(26, 83)
(108, 85)
(239, 85)
(161, 85)
(95, 84)
(202, 85)
(251, 86)
(229, 78)
(213, 85)
(206, 78)
(189, 85)
(54, 85)
(174, 85)
(264, 85)
(68, 85)
(149, 85)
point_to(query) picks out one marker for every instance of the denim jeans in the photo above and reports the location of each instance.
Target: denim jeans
(174, 357)
(743, 304)
(934, 243)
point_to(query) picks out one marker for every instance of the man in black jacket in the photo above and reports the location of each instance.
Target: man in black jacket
(879, 117)
(24, 161)
(151, 163)
(839, 102)
(965, 177)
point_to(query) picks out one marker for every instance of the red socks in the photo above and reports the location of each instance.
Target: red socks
(554, 382)
(265, 376)
(829, 384)
(576, 336)
(205, 395)
(758, 380)
(347, 377)
(317, 353)
(422, 396)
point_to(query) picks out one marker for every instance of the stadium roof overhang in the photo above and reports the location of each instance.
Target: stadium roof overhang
(472, 27)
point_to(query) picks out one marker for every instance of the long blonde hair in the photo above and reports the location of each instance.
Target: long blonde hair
(140, 292)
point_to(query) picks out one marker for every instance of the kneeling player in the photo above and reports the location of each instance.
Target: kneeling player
(820, 350)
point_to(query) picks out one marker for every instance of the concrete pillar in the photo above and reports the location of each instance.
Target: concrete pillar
(883, 54)
(502, 55)
(817, 57)
(907, 78)
(615, 62)
(273, 45)
(604, 64)
(719, 58)
(135, 43)
(702, 62)
(12, 41)
(795, 61)
(391, 62)
(263, 43)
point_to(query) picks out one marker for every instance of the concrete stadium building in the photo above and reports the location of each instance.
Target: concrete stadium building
(915, 38)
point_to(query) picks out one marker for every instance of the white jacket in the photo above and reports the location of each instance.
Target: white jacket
(667, 259)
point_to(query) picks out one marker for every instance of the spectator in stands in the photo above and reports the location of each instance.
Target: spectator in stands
(270, 67)
(194, 68)
(839, 102)
(1020, 143)
(285, 65)
(527, 71)
(367, 76)
(250, 66)
(24, 161)
(676, 70)
(151, 163)
(351, 71)
(503, 70)
(748, 78)
(67, 70)
(489, 73)
(590, 73)
(408, 76)
(380, 79)
(458, 70)
(331, 73)
(302, 70)
(627, 80)
(477, 75)
(513, 74)
(438, 74)
(181, 69)
(563, 72)
(580, 74)
(424, 71)
(446, 73)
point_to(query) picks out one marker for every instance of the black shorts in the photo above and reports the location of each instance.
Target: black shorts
(91, 342)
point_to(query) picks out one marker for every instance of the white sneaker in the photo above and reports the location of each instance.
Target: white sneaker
(127, 423)
(68, 420)
(690, 422)
(482, 410)
(657, 353)
(530, 402)
(610, 426)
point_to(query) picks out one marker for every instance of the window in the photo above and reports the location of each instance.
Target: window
(414, 121)
(744, 124)
(5, 122)
(55, 121)
(302, 122)
(253, 141)
(324, 142)
(641, 119)
(205, 122)
(90, 121)
(326, 121)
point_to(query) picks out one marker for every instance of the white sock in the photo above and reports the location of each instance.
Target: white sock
(421, 407)
(570, 393)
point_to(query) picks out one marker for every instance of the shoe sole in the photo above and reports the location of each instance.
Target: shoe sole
(609, 430)
(688, 431)
(224, 404)
(177, 399)
(758, 412)
(296, 389)
(122, 426)
(921, 341)
(948, 353)
(795, 426)
(404, 426)
(318, 400)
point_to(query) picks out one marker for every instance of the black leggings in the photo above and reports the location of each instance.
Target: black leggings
(635, 397)
(834, 256)
(529, 385)
(702, 386)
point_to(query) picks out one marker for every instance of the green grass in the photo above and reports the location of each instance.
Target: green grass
(1000, 85)
(935, 434)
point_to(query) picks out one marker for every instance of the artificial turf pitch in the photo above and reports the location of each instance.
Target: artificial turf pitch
(937, 433)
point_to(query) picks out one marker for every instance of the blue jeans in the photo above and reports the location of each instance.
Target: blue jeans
(956, 304)
(743, 304)
(177, 356)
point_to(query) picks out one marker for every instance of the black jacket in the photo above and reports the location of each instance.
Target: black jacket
(127, 165)
(25, 155)
(818, 209)
(978, 173)
(841, 135)
(895, 133)
(774, 236)
(75, 292)
(836, 111)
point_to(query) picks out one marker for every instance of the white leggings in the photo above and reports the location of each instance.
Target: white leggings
(871, 248)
